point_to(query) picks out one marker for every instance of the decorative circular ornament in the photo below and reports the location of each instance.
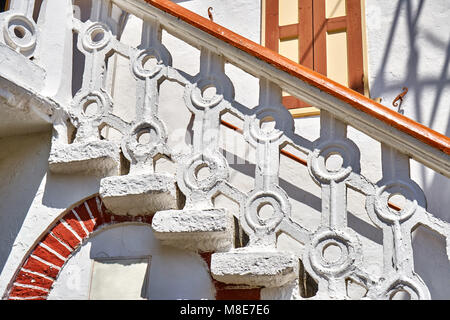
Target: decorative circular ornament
(197, 98)
(135, 149)
(260, 134)
(317, 160)
(216, 164)
(378, 203)
(20, 33)
(414, 287)
(96, 37)
(91, 107)
(256, 201)
(349, 254)
(139, 64)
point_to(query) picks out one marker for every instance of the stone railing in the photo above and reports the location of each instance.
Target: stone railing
(18, 29)
(30, 57)
(182, 203)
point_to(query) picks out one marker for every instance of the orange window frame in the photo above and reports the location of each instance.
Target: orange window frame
(312, 29)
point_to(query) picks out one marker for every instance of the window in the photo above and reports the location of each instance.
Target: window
(119, 278)
(323, 35)
(4, 4)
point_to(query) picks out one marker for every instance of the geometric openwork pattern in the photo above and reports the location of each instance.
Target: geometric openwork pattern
(333, 162)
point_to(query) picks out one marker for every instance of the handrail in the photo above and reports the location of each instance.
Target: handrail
(414, 139)
(354, 98)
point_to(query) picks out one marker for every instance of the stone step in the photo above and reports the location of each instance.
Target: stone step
(141, 194)
(200, 230)
(99, 158)
(258, 267)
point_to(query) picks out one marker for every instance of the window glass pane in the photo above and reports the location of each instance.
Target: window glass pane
(119, 278)
(337, 68)
(288, 12)
(335, 8)
(289, 49)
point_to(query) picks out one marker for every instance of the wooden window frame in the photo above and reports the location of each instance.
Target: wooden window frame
(312, 29)
(4, 5)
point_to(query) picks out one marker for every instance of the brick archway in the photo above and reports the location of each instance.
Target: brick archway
(35, 277)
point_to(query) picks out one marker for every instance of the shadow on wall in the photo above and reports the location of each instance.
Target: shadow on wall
(26, 184)
(23, 164)
(61, 190)
(167, 268)
(417, 55)
(293, 191)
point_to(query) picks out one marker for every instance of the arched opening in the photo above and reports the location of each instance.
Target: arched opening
(83, 247)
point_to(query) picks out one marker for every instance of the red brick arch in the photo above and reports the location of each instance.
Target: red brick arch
(35, 277)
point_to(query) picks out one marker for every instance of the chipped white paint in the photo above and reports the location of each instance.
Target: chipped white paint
(255, 267)
(96, 157)
(139, 194)
(332, 253)
(200, 230)
(173, 273)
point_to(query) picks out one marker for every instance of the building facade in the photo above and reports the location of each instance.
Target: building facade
(153, 150)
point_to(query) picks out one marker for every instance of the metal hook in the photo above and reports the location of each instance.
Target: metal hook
(399, 100)
(210, 9)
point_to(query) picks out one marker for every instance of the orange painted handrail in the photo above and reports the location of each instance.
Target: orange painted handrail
(351, 97)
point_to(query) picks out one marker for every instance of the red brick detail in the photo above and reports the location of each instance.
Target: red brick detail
(85, 217)
(120, 219)
(33, 279)
(92, 203)
(147, 219)
(61, 234)
(35, 265)
(75, 224)
(231, 292)
(23, 292)
(238, 294)
(206, 256)
(53, 243)
(106, 216)
(46, 255)
(107, 219)
(65, 235)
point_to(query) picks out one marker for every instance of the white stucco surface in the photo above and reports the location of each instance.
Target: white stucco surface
(173, 274)
(31, 198)
(408, 45)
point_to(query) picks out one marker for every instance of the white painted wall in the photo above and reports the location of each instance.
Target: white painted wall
(30, 198)
(409, 45)
(174, 273)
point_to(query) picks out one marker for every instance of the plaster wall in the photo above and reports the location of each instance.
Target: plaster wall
(173, 273)
(398, 55)
(31, 198)
(409, 46)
